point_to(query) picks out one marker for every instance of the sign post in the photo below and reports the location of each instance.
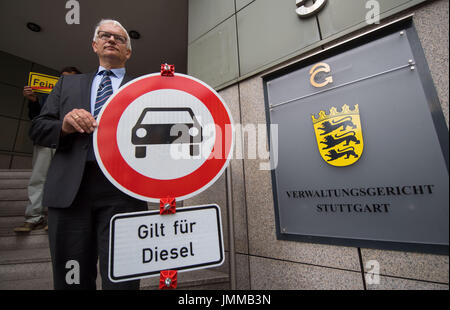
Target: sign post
(167, 278)
(164, 137)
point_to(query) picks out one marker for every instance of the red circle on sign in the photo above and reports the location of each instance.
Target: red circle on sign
(127, 179)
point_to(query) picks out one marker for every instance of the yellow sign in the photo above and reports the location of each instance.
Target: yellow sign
(42, 83)
(317, 68)
(339, 136)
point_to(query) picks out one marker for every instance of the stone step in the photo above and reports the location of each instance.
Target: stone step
(32, 284)
(7, 225)
(23, 241)
(30, 271)
(15, 174)
(24, 256)
(13, 208)
(13, 194)
(13, 183)
(47, 284)
(38, 276)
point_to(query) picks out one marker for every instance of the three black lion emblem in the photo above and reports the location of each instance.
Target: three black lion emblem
(331, 141)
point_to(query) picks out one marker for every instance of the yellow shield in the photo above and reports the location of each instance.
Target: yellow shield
(339, 136)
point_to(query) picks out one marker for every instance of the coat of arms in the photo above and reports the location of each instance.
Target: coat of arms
(339, 136)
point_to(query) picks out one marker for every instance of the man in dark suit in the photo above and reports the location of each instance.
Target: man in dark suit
(80, 200)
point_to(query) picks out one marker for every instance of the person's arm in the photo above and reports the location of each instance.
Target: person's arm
(52, 129)
(29, 94)
(34, 106)
(46, 127)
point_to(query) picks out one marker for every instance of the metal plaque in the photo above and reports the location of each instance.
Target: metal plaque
(362, 146)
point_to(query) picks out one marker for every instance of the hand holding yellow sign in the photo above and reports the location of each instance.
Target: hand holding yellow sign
(42, 83)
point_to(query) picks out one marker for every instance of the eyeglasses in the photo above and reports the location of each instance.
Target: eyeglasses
(106, 35)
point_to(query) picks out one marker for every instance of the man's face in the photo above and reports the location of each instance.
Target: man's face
(110, 47)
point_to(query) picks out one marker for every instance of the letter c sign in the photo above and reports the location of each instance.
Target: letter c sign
(304, 11)
(320, 67)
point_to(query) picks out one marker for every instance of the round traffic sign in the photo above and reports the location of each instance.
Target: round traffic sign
(164, 137)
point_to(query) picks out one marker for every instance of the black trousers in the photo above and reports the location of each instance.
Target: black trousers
(80, 234)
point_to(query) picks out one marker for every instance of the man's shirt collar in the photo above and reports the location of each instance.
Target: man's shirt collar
(118, 73)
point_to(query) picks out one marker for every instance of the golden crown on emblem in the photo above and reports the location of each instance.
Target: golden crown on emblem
(333, 113)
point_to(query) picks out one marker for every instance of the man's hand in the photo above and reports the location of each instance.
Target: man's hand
(29, 94)
(78, 120)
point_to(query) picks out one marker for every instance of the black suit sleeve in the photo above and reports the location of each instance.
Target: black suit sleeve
(34, 108)
(46, 128)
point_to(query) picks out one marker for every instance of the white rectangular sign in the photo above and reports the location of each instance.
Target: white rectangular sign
(144, 243)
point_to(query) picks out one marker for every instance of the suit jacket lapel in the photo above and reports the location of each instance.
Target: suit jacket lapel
(126, 79)
(86, 84)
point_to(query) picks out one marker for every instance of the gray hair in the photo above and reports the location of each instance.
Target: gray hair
(115, 23)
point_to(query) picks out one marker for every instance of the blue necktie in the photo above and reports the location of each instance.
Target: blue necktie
(104, 91)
